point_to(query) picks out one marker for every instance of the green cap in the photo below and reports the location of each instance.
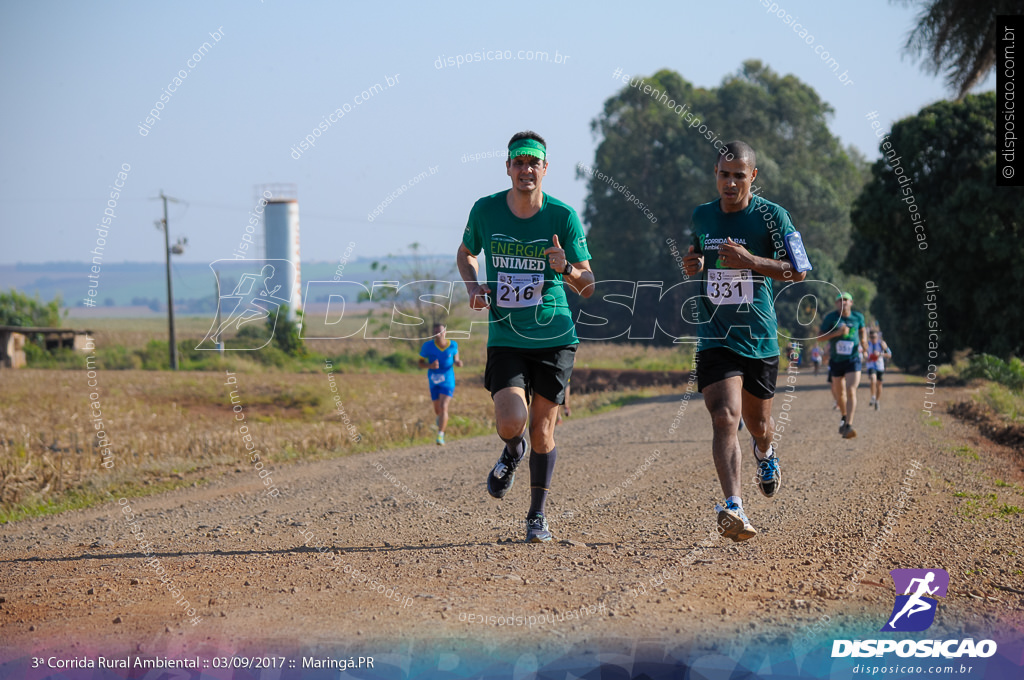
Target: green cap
(844, 296)
(527, 147)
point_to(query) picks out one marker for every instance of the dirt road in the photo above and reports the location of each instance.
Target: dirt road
(635, 556)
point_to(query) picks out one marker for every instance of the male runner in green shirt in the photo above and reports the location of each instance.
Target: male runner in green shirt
(534, 248)
(740, 243)
(846, 332)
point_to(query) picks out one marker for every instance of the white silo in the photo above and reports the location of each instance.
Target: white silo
(281, 234)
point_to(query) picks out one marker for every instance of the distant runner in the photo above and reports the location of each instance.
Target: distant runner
(816, 358)
(878, 352)
(740, 243)
(440, 356)
(846, 332)
(793, 355)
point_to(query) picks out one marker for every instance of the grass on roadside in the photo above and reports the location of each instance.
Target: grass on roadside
(1003, 391)
(965, 451)
(987, 506)
(1003, 400)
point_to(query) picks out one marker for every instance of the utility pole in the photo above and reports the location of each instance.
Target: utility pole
(218, 340)
(170, 287)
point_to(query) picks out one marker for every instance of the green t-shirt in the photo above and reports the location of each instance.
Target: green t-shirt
(844, 348)
(736, 306)
(528, 305)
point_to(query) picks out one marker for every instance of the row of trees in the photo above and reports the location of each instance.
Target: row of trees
(974, 236)
(952, 227)
(667, 161)
(925, 219)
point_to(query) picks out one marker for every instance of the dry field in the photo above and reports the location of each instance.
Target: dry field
(135, 333)
(172, 429)
(169, 429)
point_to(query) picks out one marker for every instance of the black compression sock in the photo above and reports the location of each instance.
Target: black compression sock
(542, 465)
(516, 446)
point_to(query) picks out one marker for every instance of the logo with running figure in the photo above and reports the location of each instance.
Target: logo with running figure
(914, 610)
(257, 295)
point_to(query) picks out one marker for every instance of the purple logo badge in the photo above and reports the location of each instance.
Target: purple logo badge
(916, 590)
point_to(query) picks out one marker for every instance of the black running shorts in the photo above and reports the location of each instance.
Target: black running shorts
(538, 371)
(840, 368)
(718, 363)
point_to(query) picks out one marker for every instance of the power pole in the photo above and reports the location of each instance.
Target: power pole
(170, 286)
(219, 342)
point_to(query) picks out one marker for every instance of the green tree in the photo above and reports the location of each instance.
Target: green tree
(286, 333)
(957, 38)
(973, 235)
(18, 309)
(666, 160)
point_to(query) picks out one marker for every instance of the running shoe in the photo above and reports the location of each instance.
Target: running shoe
(842, 425)
(733, 522)
(500, 479)
(537, 529)
(769, 477)
(849, 433)
(440, 438)
(876, 405)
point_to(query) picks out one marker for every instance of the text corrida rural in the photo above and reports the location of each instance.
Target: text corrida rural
(127, 662)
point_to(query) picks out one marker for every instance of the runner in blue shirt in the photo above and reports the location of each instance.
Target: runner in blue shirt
(440, 356)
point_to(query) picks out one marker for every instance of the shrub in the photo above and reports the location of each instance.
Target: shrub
(1008, 373)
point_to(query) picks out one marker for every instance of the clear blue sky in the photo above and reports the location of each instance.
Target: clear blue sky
(78, 78)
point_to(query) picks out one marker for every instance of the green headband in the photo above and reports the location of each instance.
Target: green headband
(527, 147)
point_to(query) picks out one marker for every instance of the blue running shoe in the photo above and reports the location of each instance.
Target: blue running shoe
(769, 476)
(733, 523)
(537, 529)
(500, 479)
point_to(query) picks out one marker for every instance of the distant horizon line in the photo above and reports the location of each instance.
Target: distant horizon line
(161, 263)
